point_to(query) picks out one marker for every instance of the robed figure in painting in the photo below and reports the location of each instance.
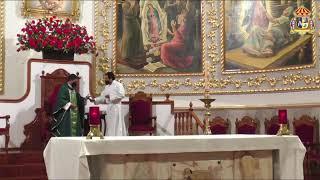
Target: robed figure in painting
(154, 24)
(264, 42)
(68, 114)
(112, 95)
(132, 50)
(176, 53)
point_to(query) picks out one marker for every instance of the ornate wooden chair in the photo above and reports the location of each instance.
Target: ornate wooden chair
(313, 160)
(140, 114)
(5, 130)
(272, 126)
(307, 129)
(219, 126)
(38, 131)
(247, 125)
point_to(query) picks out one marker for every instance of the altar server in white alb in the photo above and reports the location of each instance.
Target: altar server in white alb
(112, 95)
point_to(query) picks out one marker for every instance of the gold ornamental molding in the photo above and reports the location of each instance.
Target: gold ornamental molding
(217, 80)
(2, 44)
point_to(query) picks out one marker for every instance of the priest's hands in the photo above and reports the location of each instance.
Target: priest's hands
(91, 99)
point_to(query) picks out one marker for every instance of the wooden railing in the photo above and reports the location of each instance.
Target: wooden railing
(186, 122)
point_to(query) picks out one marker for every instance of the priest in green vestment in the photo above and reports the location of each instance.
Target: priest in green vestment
(68, 114)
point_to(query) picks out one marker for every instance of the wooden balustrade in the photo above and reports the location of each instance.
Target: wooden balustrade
(187, 122)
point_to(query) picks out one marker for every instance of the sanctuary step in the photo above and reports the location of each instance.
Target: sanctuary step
(22, 165)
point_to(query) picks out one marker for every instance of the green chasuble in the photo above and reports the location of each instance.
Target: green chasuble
(68, 122)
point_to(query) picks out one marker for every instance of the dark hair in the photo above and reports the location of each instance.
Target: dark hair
(72, 77)
(111, 75)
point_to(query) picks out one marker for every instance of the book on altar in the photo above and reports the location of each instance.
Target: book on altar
(152, 67)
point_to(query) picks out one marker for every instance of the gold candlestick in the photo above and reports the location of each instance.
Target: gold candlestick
(283, 130)
(94, 132)
(207, 104)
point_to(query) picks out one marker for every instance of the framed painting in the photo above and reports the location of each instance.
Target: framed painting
(2, 45)
(61, 8)
(257, 37)
(156, 37)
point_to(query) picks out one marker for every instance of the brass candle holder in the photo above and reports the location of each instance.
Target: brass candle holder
(94, 132)
(283, 121)
(207, 104)
(283, 130)
(95, 121)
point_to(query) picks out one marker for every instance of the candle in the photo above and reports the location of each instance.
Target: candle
(94, 115)
(282, 114)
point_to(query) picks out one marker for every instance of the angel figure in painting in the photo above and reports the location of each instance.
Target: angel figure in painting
(51, 5)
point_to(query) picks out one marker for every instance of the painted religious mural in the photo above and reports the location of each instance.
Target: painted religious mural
(158, 37)
(257, 35)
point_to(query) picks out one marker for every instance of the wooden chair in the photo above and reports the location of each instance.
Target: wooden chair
(38, 131)
(272, 126)
(313, 160)
(307, 129)
(219, 126)
(140, 114)
(5, 130)
(247, 125)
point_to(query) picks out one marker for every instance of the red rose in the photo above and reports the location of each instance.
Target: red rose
(43, 29)
(44, 43)
(32, 42)
(59, 44)
(52, 43)
(59, 31)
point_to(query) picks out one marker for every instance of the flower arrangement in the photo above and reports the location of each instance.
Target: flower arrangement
(55, 34)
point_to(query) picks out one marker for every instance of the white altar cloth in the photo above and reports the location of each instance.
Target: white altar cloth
(65, 157)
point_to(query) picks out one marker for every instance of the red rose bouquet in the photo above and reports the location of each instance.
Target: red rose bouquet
(55, 34)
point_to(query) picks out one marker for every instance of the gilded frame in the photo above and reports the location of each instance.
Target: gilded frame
(115, 59)
(214, 79)
(292, 67)
(2, 45)
(105, 32)
(29, 9)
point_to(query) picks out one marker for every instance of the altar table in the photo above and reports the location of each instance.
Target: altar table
(68, 157)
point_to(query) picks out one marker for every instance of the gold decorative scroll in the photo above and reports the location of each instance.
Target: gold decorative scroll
(293, 78)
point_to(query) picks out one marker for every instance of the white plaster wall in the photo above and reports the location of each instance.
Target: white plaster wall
(15, 62)
(266, 99)
(23, 113)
